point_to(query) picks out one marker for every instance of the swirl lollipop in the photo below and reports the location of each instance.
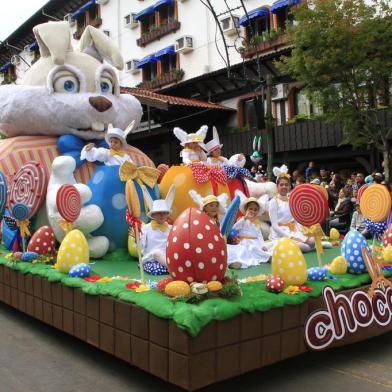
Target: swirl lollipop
(28, 187)
(361, 190)
(21, 213)
(309, 207)
(69, 204)
(3, 194)
(376, 203)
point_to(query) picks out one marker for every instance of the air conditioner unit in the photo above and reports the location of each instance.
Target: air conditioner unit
(15, 60)
(130, 21)
(131, 66)
(68, 18)
(107, 32)
(101, 2)
(279, 91)
(230, 24)
(184, 44)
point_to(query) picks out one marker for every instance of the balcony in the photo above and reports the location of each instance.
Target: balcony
(263, 44)
(158, 32)
(95, 23)
(172, 76)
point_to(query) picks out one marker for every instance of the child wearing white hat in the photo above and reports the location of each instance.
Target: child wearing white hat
(154, 235)
(193, 144)
(115, 154)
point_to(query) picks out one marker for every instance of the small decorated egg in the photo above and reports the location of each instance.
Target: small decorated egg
(352, 251)
(274, 283)
(80, 270)
(288, 262)
(214, 285)
(199, 288)
(334, 234)
(42, 241)
(196, 250)
(317, 273)
(161, 285)
(17, 255)
(177, 288)
(388, 236)
(387, 254)
(73, 250)
(29, 256)
(338, 266)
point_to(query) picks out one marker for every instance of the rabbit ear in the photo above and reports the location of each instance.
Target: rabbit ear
(129, 128)
(110, 127)
(180, 134)
(196, 198)
(223, 199)
(215, 135)
(255, 143)
(170, 197)
(98, 45)
(202, 131)
(147, 198)
(276, 171)
(259, 143)
(241, 195)
(54, 40)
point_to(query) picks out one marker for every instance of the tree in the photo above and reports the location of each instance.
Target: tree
(342, 58)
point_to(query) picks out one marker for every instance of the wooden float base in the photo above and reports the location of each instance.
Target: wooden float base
(222, 350)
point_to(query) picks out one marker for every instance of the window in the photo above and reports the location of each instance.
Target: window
(284, 17)
(167, 14)
(150, 72)
(148, 23)
(258, 26)
(168, 63)
(90, 16)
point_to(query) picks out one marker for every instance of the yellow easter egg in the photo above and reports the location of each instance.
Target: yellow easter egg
(214, 285)
(177, 288)
(387, 254)
(334, 234)
(338, 265)
(132, 247)
(288, 262)
(73, 250)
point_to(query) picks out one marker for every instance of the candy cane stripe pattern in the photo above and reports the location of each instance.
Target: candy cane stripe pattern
(68, 202)
(361, 190)
(308, 205)
(376, 203)
(29, 186)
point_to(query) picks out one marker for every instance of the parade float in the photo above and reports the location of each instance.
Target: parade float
(70, 254)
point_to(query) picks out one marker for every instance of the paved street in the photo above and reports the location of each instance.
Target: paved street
(35, 357)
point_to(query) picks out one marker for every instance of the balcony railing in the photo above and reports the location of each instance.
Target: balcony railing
(95, 23)
(172, 76)
(158, 32)
(264, 45)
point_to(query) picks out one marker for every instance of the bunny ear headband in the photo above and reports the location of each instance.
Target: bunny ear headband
(281, 172)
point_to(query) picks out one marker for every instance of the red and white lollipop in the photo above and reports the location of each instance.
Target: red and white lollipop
(69, 205)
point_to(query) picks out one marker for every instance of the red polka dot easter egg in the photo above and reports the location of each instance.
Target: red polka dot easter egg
(196, 250)
(42, 241)
(388, 236)
(274, 283)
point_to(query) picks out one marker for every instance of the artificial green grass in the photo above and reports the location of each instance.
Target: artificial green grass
(190, 317)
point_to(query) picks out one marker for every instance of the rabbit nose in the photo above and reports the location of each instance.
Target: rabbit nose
(100, 103)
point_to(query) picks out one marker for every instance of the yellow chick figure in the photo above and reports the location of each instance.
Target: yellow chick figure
(387, 254)
(334, 234)
(338, 266)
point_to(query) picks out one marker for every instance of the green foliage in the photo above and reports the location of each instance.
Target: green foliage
(342, 57)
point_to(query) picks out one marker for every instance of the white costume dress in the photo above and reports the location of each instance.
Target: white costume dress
(189, 156)
(153, 243)
(104, 155)
(249, 251)
(282, 222)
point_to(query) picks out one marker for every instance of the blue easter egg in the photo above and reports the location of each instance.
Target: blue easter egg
(317, 273)
(80, 270)
(352, 251)
(29, 256)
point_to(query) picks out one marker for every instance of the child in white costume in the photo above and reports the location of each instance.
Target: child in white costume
(213, 206)
(154, 234)
(282, 221)
(251, 250)
(115, 154)
(193, 144)
(214, 147)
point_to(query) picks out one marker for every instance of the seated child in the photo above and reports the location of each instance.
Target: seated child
(192, 143)
(154, 235)
(213, 206)
(214, 149)
(115, 154)
(251, 249)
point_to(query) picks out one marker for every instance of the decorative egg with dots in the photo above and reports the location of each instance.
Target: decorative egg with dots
(274, 283)
(317, 273)
(196, 250)
(352, 251)
(29, 256)
(338, 266)
(80, 270)
(387, 236)
(42, 241)
(73, 250)
(288, 262)
(387, 254)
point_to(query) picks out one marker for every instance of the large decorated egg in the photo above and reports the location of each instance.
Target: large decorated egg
(288, 262)
(387, 254)
(42, 241)
(352, 251)
(334, 234)
(388, 236)
(73, 250)
(196, 250)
